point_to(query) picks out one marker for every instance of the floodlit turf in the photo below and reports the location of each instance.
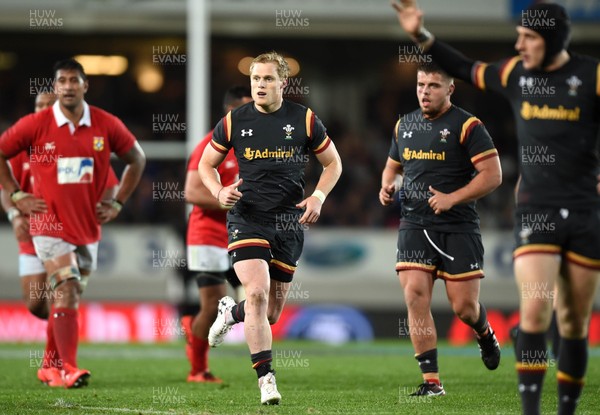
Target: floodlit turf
(313, 378)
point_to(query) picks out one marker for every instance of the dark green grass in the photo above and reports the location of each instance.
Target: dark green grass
(313, 378)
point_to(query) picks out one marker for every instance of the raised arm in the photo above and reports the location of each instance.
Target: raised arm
(452, 61)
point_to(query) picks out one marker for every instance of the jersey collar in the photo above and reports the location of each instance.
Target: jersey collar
(61, 119)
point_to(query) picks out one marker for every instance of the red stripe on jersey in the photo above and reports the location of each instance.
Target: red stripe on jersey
(598, 80)
(396, 127)
(507, 68)
(310, 122)
(467, 128)
(484, 156)
(227, 126)
(478, 75)
(323, 145)
(218, 147)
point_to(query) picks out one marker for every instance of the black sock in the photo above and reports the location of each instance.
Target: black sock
(238, 311)
(261, 362)
(481, 325)
(572, 363)
(428, 361)
(514, 335)
(554, 336)
(532, 363)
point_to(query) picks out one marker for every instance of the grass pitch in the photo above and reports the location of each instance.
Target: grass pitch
(313, 378)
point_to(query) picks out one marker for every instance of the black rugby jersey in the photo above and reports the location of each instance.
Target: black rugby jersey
(272, 152)
(558, 118)
(442, 154)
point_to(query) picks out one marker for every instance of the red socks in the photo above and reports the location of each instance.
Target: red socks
(199, 355)
(66, 333)
(51, 355)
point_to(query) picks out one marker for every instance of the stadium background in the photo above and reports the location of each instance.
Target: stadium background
(170, 63)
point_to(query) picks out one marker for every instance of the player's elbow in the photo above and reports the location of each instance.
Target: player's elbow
(495, 179)
(189, 195)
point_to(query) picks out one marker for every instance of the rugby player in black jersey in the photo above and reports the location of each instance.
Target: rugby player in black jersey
(272, 139)
(558, 205)
(448, 161)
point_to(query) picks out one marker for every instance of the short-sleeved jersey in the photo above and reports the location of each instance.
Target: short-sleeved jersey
(272, 151)
(558, 120)
(21, 171)
(208, 226)
(441, 153)
(69, 170)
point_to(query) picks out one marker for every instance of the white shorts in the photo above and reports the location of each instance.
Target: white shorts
(30, 265)
(208, 258)
(48, 247)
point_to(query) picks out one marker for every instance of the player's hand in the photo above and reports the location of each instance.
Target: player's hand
(312, 209)
(20, 226)
(229, 195)
(30, 204)
(105, 212)
(386, 194)
(440, 202)
(409, 15)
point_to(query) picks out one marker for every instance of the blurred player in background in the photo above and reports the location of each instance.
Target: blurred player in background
(558, 205)
(34, 283)
(453, 162)
(69, 150)
(272, 138)
(31, 269)
(207, 247)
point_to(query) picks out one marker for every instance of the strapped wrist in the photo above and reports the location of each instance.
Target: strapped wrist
(423, 36)
(117, 205)
(18, 195)
(319, 195)
(13, 213)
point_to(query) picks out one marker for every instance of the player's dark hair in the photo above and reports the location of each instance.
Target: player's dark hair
(69, 64)
(235, 93)
(432, 67)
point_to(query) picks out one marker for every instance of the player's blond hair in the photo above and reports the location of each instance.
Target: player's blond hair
(283, 69)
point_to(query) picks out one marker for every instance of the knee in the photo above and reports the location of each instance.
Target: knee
(67, 294)
(536, 315)
(38, 309)
(210, 309)
(273, 315)
(414, 296)
(257, 297)
(572, 324)
(466, 310)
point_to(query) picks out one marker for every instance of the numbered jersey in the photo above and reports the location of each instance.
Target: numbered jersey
(272, 151)
(69, 167)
